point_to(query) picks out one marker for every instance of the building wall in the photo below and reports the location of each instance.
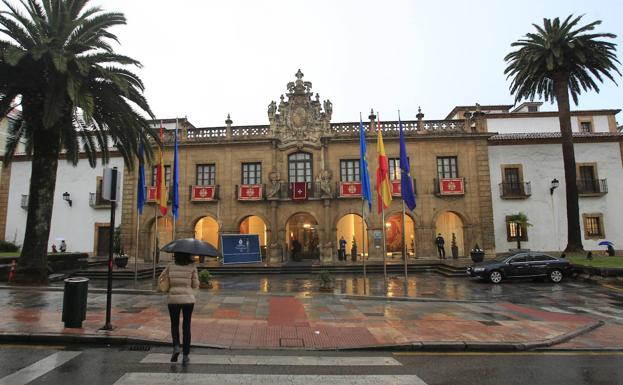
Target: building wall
(474, 208)
(76, 224)
(547, 212)
(543, 124)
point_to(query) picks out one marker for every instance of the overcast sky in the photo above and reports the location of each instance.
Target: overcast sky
(204, 59)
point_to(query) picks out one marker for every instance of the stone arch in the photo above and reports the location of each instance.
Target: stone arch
(238, 220)
(302, 238)
(349, 226)
(393, 232)
(263, 234)
(193, 221)
(346, 211)
(446, 223)
(207, 231)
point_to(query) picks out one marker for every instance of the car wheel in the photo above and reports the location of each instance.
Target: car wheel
(555, 276)
(495, 276)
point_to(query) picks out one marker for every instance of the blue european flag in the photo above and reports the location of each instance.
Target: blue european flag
(363, 165)
(176, 195)
(406, 182)
(141, 192)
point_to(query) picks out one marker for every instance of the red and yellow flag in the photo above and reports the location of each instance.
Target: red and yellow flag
(383, 187)
(161, 188)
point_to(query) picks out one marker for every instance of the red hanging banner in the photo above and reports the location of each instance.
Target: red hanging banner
(250, 192)
(451, 186)
(202, 193)
(395, 187)
(350, 189)
(299, 191)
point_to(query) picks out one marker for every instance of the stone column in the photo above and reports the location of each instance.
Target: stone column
(327, 251)
(228, 122)
(274, 248)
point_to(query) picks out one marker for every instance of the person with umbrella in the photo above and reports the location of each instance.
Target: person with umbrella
(179, 279)
(610, 247)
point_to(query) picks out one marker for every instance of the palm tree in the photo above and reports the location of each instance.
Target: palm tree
(75, 97)
(558, 60)
(521, 222)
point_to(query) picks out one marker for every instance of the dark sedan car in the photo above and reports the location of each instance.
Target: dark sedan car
(522, 265)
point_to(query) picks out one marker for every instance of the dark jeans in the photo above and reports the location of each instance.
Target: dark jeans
(174, 313)
(442, 252)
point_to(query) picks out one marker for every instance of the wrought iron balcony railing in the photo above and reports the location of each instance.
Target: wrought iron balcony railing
(515, 190)
(592, 187)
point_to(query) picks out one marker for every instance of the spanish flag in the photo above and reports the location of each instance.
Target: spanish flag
(161, 189)
(383, 188)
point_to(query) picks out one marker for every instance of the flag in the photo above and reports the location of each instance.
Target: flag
(406, 183)
(161, 196)
(299, 191)
(383, 187)
(141, 192)
(176, 196)
(363, 166)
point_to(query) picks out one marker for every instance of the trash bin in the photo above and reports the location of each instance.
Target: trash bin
(75, 301)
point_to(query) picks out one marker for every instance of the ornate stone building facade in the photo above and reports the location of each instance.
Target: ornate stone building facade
(297, 178)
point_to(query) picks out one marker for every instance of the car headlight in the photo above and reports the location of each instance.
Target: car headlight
(478, 269)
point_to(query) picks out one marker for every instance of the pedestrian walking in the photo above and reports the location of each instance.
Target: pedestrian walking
(178, 280)
(440, 246)
(63, 246)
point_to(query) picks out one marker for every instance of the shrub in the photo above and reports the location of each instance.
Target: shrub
(8, 247)
(205, 277)
(326, 280)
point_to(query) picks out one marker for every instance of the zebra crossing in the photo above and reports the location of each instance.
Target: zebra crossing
(149, 370)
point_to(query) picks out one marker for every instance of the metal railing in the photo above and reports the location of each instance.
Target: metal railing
(96, 200)
(457, 191)
(515, 190)
(592, 186)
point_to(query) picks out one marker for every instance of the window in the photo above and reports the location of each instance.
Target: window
(394, 168)
(300, 167)
(251, 173)
(533, 109)
(586, 127)
(543, 258)
(206, 175)
(167, 175)
(587, 179)
(593, 226)
(447, 167)
(513, 230)
(349, 170)
(512, 180)
(519, 259)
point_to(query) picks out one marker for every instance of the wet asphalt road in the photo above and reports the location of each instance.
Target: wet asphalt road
(109, 365)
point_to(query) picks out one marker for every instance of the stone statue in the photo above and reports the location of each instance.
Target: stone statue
(328, 108)
(272, 109)
(275, 184)
(325, 182)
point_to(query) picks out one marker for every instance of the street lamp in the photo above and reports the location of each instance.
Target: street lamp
(67, 197)
(554, 185)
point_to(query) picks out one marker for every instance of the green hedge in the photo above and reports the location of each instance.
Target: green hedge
(8, 247)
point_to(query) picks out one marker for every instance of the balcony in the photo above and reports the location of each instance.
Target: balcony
(97, 202)
(283, 191)
(24, 202)
(592, 187)
(151, 194)
(206, 193)
(449, 187)
(396, 187)
(250, 192)
(516, 190)
(349, 189)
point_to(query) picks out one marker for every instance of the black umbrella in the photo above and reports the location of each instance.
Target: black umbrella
(191, 246)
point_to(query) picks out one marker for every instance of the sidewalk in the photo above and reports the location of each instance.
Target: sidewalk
(304, 320)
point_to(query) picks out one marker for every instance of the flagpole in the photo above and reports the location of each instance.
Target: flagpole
(175, 192)
(153, 262)
(404, 243)
(138, 225)
(363, 242)
(384, 246)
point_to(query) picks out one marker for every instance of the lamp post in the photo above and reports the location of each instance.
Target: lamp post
(553, 186)
(67, 198)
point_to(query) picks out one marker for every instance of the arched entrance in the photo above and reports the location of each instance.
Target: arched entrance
(255, 225)
(302, 237)
(449, 223)
(165, 235)
(393, 234)
(206, 229)
(349, 227)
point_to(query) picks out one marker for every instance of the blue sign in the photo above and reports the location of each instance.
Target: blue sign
(241, 248)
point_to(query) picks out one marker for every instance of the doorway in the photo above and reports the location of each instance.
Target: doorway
(103, 241)
(302, 236)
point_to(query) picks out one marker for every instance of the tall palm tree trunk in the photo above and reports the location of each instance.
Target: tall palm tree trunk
(32, 265)
(574, 238)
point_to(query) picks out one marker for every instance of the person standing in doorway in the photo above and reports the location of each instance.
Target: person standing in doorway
(440, 246)
(183, 279)
(341, 255)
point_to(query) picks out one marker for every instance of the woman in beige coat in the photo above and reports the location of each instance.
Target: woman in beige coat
(183, 278)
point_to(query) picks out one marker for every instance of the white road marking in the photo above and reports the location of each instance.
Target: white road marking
(38, 369)
(255, 379)
(215, 359)
(555, 310)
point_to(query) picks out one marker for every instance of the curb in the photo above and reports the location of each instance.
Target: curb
(431, 346)
(407, 299)
(91, 290)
